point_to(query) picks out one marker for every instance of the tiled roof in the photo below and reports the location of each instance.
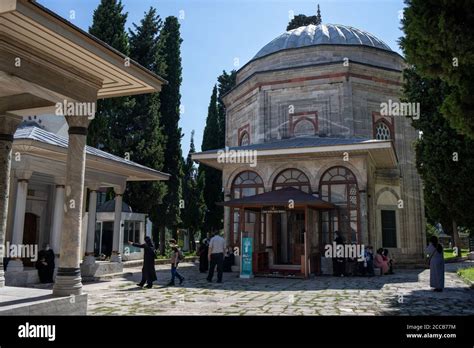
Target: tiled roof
(38, 134)
(310, 141)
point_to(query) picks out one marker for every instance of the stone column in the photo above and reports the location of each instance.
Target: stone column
(8, 126)
(363, 219)
(116, 255)
(58, 215)
(16, 265)
(227, 235)
(91, 221)
(68, 279)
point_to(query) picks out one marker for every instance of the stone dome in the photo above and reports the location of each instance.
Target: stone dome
(322, 34)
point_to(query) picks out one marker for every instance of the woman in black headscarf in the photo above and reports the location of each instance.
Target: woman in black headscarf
(148, 270)
(203, 256)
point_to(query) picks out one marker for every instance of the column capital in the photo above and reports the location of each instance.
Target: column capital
(8, 125)
(78, 124)
(60, 181)
(119, 190)
(93, 186)
(23, 175)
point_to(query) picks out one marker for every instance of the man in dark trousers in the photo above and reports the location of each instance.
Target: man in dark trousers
(216, 257)
(45, 264)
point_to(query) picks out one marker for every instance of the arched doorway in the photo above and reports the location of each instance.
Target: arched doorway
(289, 227)
(247, 183)
(338, 186)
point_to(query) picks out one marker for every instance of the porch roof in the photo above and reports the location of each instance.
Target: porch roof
(381, 151)
(280, 198)
(43, 143)
(59, 61)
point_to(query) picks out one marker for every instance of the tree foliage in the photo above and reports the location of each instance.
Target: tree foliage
(112, 115)
(170, 97)
(444, 158)
(144, 139)
(193, 213)
(439, 41)
(303, 20)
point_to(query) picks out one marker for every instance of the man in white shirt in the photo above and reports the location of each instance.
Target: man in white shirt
(216, 257)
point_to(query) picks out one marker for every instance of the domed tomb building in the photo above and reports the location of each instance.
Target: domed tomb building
(328, 160)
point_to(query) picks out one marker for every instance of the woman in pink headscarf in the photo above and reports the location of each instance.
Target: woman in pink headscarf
(381, 262)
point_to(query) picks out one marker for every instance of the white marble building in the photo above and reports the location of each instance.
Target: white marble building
(310, 104)
(37, 200)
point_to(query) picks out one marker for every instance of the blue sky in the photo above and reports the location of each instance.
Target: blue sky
(218, 33)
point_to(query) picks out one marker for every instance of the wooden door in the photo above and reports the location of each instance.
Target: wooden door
(30, 235)
(296, 228)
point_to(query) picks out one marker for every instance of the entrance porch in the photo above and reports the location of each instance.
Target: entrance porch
(285, 225)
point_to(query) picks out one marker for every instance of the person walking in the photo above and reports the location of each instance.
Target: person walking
(148, 269)
(203, 256)
(176, 256)
(436, 262)
(216, 257)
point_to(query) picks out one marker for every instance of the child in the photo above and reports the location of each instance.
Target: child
(369, 261)
(175, 258)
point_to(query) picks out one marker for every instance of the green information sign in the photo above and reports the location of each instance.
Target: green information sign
(246, 252)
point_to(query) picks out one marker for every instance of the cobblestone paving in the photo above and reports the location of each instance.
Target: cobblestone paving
(405, 293)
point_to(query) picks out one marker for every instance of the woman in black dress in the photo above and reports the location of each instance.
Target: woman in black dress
(148, 270)
(203, 257)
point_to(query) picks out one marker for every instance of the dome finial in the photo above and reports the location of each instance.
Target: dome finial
(318, 17)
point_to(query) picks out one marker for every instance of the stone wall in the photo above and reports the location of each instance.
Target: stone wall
(274, 92)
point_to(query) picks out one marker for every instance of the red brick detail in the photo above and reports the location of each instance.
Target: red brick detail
(311, 116)
(319, 77)
(242, 130)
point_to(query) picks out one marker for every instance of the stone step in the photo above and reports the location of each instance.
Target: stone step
(106, 277)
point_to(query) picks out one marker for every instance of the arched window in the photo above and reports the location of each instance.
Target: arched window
(292, 178)
(303, 127)
(338, 185)
(244, 139)
(245, 184)
(382, 131)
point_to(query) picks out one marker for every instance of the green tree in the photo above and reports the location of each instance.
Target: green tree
(170, 50)
(444, 158)
(112, 115)
(193, 213)
(211, 177)
(144, 139)
(439, 41)
(225, 83)
(303, 20)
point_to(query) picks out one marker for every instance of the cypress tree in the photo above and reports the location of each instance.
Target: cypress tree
(112, 115)
(212, 178)
(144, 138)
(225, 83)
(193, 212)
(170, 97)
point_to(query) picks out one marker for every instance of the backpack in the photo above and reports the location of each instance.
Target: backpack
(180, 255)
